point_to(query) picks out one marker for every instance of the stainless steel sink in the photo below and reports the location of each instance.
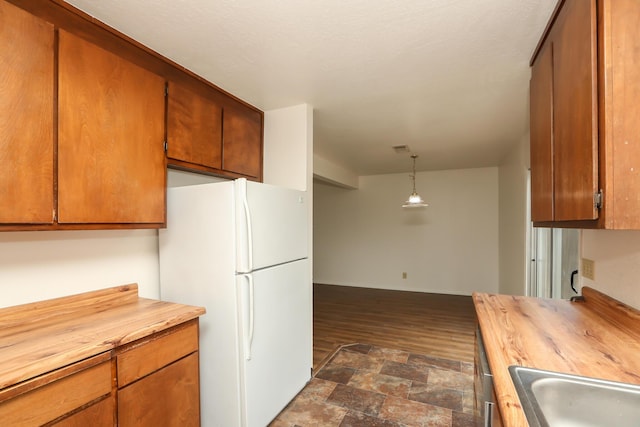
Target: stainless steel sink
(558, 400)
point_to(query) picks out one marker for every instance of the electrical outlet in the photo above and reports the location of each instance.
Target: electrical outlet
(588, 269)
(404, 274)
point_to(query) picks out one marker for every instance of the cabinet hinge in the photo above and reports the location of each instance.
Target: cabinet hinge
(54, 215)
(166, 146)
(597, 200)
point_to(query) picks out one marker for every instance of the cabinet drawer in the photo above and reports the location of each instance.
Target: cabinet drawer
(152, 354)
(57, 398)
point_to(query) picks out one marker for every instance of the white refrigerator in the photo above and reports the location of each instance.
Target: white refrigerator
(240, 249)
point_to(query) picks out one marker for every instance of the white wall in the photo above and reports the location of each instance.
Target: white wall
(514, 224)
(364, 238)
(617, 263)
(38, 265)
(288, 147)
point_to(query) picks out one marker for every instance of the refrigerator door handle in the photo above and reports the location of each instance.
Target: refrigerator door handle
(249, 248)
(251, 314)
(248, 309)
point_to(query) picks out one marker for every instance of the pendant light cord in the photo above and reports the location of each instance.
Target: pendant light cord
(413, 177)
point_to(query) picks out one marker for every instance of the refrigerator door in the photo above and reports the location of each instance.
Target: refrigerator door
(271, 225)
(275, 315)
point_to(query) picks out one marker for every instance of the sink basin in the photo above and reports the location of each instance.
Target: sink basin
(563, 400)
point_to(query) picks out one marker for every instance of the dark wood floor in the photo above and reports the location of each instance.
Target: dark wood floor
(432, 324)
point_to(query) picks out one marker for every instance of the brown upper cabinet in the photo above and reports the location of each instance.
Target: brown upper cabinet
(85, 116)
(564, 134)
(218, 137)
(585, 126)
(26, 117)
(194, 127)
(110, 137)
(242, 141)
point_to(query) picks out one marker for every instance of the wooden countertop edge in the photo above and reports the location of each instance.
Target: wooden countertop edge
(41, 337)
(508, 402)
(495, 313)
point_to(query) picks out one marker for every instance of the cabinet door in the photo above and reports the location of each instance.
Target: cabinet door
(575, 142)
(541, 139)
(168, 397)
(26, 117)
(194, 128)
(242, 141)
(111, 162)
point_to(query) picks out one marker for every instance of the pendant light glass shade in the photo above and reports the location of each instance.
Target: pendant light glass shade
(414, 201)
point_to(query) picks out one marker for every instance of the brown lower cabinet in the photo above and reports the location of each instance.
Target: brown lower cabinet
(150, 382)
(167, 397)
(101, 358)
(158, 380)
(61, 393)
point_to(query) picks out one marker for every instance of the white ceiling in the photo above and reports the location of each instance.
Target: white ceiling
(449, 78)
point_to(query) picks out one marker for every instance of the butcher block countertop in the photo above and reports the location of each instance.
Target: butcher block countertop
(598, 337)
(40, 337)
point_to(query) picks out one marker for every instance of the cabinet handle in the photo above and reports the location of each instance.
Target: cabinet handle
(488, 413)
(247, 213)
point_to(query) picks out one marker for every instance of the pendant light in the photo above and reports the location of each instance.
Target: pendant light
(414, 201)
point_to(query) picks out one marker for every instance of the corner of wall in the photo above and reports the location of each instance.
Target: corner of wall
(514, 222)
(327, 171)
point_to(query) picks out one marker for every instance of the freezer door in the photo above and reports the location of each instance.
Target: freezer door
(271, 225)
(275, 313)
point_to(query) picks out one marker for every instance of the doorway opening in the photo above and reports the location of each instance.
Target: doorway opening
(555, 259)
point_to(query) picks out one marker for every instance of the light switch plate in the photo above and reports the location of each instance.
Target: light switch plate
(588, 269)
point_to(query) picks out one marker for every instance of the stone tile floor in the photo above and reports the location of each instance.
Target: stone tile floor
(364, 385)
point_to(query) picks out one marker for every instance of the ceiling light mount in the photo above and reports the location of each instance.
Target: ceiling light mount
(414, 201)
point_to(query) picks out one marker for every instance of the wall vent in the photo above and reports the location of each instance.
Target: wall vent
(401, 149)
